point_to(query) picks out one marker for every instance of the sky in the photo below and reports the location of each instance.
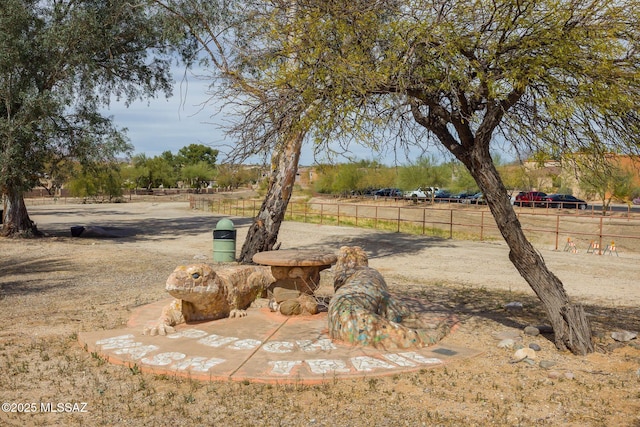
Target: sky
(160, 124)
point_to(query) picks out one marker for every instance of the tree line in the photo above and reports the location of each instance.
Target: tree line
(618, 184)
(192, 167)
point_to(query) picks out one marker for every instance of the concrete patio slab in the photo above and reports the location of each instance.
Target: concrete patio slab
(262, 347)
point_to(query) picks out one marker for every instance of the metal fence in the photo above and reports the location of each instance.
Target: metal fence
(566, 229)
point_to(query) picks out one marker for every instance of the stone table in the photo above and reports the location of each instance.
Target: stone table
(296, 269)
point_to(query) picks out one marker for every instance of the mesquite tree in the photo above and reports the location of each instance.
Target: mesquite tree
(543, 76)
(549, 76)
(60, 61)
(238, 56)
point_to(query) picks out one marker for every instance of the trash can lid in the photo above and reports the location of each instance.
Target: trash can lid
(225, 224)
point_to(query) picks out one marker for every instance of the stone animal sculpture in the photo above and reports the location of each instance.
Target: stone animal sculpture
(203, 293)
(363, 312)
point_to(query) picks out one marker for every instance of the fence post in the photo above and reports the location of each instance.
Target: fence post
(424, 220)
(398, 219)
(481, 225)
(600, 237)
(451, 223)
(321, 212)
(375, 222)
(338, 205)
(557, 230)
(356, 215)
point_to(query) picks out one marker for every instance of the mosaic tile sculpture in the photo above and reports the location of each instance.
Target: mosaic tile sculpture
(203, 293)
(363, 312)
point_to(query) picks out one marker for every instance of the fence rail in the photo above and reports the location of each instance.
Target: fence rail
(560, 229)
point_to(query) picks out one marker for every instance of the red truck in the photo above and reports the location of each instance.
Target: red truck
(530, 198)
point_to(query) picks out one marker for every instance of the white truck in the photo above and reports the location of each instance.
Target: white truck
(421, 193)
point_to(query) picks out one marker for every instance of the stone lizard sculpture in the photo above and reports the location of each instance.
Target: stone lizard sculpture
(363, 312)
(203, 293)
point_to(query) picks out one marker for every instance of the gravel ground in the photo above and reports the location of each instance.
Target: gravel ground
(53, 288)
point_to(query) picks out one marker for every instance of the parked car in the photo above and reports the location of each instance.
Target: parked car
(530, 198)
(477, 199)
(565, 201)
(388, 192)
(462, 197)
(420, 193)
(442, 196)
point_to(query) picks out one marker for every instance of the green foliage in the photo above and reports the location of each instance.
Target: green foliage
(348, 177)
(103, 183)
(197, 175)
(194, 154)
(354, 177)
(233, 176)
(461, 179)
(134, 175)
(424, 173)
(551, 77)
(152, 172)
(604, 180)
(60, 62)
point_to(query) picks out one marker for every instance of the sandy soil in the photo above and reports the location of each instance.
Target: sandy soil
(52, 288)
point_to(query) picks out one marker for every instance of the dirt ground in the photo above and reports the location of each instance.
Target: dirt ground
(55, 287)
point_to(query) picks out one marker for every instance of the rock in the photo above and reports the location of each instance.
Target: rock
(273, 305)
(531, 331)
(282, 294)
(513, 306)
(554, 375)
(308, 304)
(623, 336)
(546, 364)
(503, 335)
(523, 353)
(534, 347)
(506, 343)
(569, 375)
(290, 307)
(304, 304)
(615, 345)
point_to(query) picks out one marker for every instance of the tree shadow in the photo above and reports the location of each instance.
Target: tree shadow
(18, 276)
(381, 243)
(470, 302)
(136, 230)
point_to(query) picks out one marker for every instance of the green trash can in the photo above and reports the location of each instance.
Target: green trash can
(224, 241)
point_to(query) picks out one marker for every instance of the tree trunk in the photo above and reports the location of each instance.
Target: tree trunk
(570, 325)
(263, 233)
(16, 221)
